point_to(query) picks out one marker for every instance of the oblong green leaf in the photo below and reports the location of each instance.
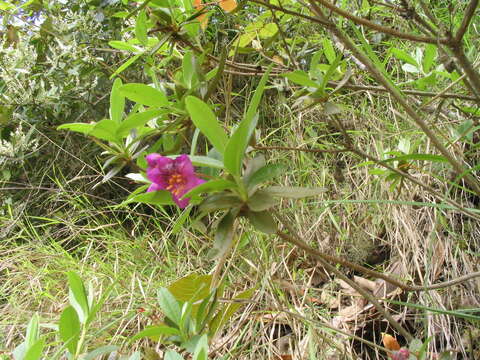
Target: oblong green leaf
(261, 201)
(262, 221)
(105, 129)
(117, 101)
(173, 355)
(103, 350)
(263, 175)
(144, 94)
(137, 120)
(236, 146)
(206, 161)
(122, 45)
(83, 128)
(78, 296)
(169, 305)
(224, 234)
(32, 334)
(404, 56)
(160, 197)
(300, 77)
(205, 120)
(69, 328)
(34, 352)
(125, 65)
(141, 28)
(221, 201)
(210, 186)
(191, 288)
(156, 330)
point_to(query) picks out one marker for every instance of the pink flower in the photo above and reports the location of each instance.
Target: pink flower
(402, 354)
(174, 175)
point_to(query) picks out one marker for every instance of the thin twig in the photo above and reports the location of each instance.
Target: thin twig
(444, 91)
(333, 151)
(398, 96)
(290, 12)
(469, 12)
(380, 28)
(283, 37)
(474, 78)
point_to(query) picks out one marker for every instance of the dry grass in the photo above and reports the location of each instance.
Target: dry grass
(132, 252)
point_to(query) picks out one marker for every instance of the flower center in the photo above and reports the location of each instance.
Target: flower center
(176, 183)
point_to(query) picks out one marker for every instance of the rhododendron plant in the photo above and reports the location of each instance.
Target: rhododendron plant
(174, 175)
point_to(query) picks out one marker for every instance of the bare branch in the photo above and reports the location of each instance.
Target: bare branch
(469, 12)
(380, 28)
(399, 97)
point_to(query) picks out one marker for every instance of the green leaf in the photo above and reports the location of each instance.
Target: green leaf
(206, 161)
(173, 355)
(201, 350)
(205, 120)
(263, 175)
(293, 192)
(189, 70)
(221, 201)
(329, 50)
(78, 296)
(137, 355)
(161, 197)
(69, 328)
(97, 353)
(122, 45)
(402, 55)
(32, 334)
(78, 127)
(19, 352)
(5, 6)
(236, 146)
(191, 288)
(117, 101)
(137, 120)
(268, 30)
(210, 187)
(125, 65)
(262, 221)
(301, 78)
(224, 234)
(141, 28)
(155, 331)
(34, 352)
(261, 201)
(144, 94)
(429, 57)
(169, 305)
(105, 129)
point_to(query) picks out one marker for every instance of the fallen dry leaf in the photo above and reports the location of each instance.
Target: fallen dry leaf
(228, 5)
(390, 342)
(365, 283)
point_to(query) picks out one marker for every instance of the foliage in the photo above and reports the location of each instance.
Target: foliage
(168, 70)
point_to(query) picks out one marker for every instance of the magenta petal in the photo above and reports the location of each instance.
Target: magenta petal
(152, 159)
(154, 187)
(184, 166)
(182, 203)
